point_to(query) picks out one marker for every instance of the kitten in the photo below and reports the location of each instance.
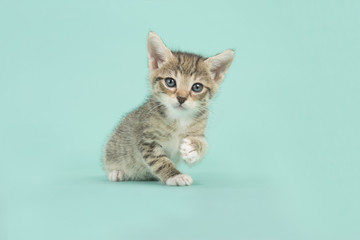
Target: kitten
(170, 126)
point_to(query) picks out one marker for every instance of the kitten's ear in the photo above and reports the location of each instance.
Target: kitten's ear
(157, 51)
(219, 64)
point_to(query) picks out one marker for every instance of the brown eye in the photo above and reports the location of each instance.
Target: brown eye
(197, 87)
(170, 82)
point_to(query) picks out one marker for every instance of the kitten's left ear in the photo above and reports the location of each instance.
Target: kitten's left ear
(219, 64)
(157, 51)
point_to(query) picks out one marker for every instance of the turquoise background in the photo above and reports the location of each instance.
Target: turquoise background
(283, 132)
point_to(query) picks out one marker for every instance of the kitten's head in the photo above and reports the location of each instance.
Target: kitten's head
(184, 82)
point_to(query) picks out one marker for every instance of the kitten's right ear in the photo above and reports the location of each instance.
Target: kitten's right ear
(157, 51)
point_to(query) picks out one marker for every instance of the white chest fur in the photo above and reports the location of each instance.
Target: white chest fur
(172, 146)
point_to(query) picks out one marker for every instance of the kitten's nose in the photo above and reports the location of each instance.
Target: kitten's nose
(181, 99)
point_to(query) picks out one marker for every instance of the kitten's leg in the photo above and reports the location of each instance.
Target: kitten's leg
(160, 165)
(193, 149)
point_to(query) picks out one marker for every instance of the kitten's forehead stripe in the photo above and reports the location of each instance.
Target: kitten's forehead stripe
(195, 66)
(187, 63)
(179, 63)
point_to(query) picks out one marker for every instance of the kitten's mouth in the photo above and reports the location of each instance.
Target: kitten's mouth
(180, 107)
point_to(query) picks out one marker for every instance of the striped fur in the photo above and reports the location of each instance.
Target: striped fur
(146, 144)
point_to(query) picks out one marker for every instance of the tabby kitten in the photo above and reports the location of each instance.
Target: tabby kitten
(170, 126)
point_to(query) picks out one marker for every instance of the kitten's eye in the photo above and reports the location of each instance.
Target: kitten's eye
(197, 87)
(170, 82)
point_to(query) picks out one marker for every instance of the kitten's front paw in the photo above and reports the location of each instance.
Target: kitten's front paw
(188, 152)
(179, 180)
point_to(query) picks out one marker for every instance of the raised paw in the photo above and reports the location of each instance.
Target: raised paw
(179, 180)
(188, 152)
(116, 176)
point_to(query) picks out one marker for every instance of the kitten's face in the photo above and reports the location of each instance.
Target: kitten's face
(184, 82)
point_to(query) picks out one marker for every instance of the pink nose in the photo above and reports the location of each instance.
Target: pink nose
(181, 99)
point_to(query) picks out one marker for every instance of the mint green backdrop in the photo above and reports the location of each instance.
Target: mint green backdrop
(283, 162)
